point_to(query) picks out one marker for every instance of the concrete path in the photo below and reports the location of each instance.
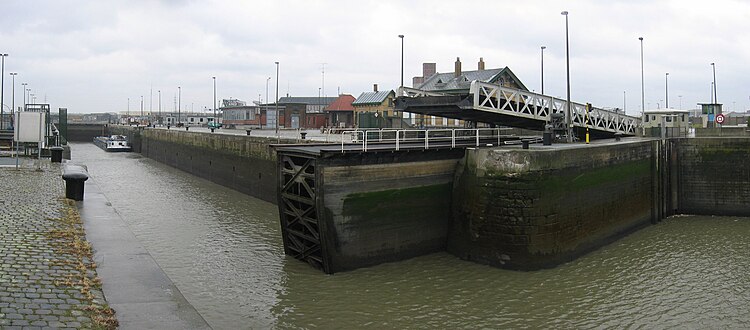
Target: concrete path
(134, 284)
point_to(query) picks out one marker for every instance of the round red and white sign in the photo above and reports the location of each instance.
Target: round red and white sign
(719, 119)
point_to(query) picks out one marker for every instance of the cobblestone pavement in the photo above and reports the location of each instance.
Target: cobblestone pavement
(47, 278)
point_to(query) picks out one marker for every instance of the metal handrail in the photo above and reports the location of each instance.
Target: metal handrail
(401, 136)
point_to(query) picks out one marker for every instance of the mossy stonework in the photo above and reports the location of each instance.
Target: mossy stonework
(714, 176)
(385, 212)
(530, 209)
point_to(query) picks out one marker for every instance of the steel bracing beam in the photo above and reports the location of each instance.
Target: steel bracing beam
(515, 102)
(298, 209)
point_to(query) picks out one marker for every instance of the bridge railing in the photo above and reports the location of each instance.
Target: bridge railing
(426, 138)
(496, 98)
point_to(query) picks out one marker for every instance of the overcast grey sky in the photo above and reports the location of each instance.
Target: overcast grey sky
(91, 56)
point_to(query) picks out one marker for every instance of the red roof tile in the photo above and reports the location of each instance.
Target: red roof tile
(342, 103)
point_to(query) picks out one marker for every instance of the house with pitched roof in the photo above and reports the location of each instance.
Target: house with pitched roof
(375, 109)
(459, 82)
(340, 113)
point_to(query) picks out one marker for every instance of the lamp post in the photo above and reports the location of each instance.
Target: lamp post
(643, 97)
(24, 93)
(160, 119)
(214, 78)
(276, 101)
(140, 120)
(267, 80)
(179, 104)
(680, 97)
(401, 116)
(2, 91)
(713, 66)
(568, 119)
(666, 91)
(543, 48)
(13, 93)
(127, 114)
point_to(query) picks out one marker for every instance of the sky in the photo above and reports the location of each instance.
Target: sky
(94, 56)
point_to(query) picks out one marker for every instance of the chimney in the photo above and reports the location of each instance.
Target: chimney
(375, 88)
(428, 69)
(457, 73)
(480, 65)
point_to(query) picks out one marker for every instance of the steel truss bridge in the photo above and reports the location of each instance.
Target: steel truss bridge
(498, 105)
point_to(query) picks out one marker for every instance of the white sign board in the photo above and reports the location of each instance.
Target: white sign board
(29, 127)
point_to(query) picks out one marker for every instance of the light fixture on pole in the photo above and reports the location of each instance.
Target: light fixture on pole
(401, 117)
(276, 101)
(568, 119)
(543, 48)
(713, 66)
(24, 93)
(666, 91)
(215, 121)
(13, 95)
(179, 105)
(267, 80)
(643, 90)
(2, 91)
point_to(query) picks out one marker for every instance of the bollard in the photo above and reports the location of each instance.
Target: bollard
(167, 126)
(56, 154)
(525, 144)
(187, 128)
(248, 131)
(75, 177)
(302, 135)
(212, 129)
(618, 136)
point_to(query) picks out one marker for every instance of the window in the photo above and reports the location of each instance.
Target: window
(669, 119)
(201, 120)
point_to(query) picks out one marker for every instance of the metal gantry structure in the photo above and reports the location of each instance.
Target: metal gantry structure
(519, 103)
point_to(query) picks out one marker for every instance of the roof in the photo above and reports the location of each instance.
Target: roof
(665, 111)
(372, 97)
(307, 100)
(342, 103)
(448, 81)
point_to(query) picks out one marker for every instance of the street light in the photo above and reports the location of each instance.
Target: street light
(2, 92)
(13, 97)
(214, 78)
(713, 66)
(277, 100)
(160, 119)
(24, 93)
(140, 120)
(543, 48)
(179, 104)
(401, 117)
(666, 91)
(643, 97)
(568, 119)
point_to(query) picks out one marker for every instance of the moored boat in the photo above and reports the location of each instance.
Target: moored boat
(112, 143)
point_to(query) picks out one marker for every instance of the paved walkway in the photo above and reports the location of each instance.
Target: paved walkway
(47, 276)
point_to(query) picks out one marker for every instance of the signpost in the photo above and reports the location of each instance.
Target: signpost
(719, 119)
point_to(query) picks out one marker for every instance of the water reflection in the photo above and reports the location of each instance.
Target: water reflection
(223, 251)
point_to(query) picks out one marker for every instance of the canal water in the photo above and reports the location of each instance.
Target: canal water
(223, 250)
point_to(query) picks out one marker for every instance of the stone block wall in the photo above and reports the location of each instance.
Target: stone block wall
(536, 208)
(714, 176)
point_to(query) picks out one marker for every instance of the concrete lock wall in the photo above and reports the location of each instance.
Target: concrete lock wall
(714, 176)
(531, 209)
(387, 206)
(79, 132)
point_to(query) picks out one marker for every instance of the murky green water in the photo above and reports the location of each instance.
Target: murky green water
(223, 251)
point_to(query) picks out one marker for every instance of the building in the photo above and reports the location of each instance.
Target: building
(237, 114)
(340, 113)
(375, 109)
(303, 112)
(675, 122)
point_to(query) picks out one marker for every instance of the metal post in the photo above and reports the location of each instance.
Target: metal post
(276, 101)
(24, 93)
(13, 96)
(140, 121)
(713, 66)
(179, 104)
(543, 48)
(2, 91)
(643, 97)
(259, 121)
(160, 118)
(568, 120)
(401, 116)
(215, 122)
(666, 91)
